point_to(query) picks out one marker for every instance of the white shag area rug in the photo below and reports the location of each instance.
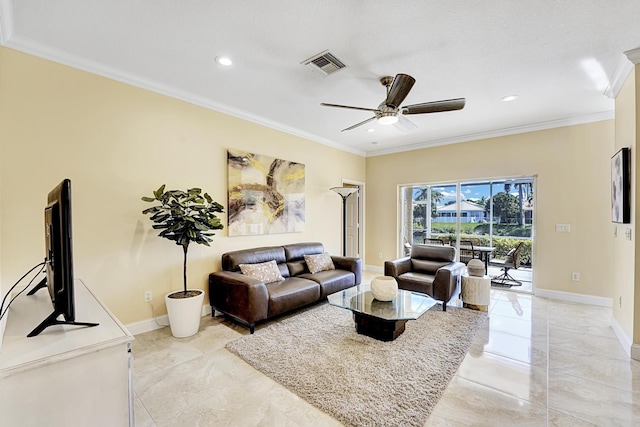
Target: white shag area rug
(358, 380)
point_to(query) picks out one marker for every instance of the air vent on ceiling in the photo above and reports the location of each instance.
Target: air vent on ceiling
(325, 63)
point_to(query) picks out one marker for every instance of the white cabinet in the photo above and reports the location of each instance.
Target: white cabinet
(68, 375)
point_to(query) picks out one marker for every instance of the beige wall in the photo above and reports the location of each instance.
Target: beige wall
(572, 166)
(624, 264)
(117, 143)
(2, 288)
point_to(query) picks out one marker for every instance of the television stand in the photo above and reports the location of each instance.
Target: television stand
(66, 376)
(52, 319)
(40, 285)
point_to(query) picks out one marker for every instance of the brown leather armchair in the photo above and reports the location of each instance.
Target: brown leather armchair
(430, 270)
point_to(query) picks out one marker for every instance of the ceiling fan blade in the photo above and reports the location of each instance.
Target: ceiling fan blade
(347, 106)
(405, 125)
(359, 124)
(435, 106)
(399, 90)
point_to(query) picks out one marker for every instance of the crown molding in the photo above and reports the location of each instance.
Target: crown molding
(47, 52)
(624, 68)
(56, 55)
(514, 130)
(633, 55)
(6, 21)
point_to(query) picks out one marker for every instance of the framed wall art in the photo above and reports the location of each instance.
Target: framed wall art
(620, 187)
(266, 195)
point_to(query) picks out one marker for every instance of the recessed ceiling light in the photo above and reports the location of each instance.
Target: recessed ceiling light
(371, 130)
(224, 60)
(509, 98)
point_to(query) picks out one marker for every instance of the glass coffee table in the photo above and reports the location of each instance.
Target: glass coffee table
(382, 320)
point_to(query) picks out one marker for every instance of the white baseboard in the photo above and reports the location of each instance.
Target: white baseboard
(159, 322)
(374, 268)
(571, 297)
(625, 341)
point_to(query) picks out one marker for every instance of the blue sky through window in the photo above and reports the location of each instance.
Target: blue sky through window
(469, 191)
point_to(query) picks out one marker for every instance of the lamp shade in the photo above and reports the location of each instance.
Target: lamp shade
(345, 191)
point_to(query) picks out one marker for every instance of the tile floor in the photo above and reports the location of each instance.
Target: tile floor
(523, 274)
(537, 362)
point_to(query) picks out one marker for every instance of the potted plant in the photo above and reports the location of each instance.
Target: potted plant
(184, 217)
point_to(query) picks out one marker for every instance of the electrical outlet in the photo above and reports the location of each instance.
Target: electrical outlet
(620, 301)
(575, 277)
(379, 255)
(148, 296)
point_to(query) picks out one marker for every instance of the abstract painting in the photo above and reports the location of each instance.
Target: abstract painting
(266, 195)
(620, 185)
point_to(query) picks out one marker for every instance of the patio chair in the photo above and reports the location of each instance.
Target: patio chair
(467, 253)
(407, 247)
(433, 241)
(511, 261)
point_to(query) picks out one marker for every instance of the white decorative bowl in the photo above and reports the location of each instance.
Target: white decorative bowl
(384, 288)
(475, 267)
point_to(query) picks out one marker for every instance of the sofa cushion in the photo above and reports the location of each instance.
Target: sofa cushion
(417, 282)
(231, 260)
(266, 272)
(297, 251)
(332, 281)
(426, 265)
(291, 293)
(444, 254)
(297, 267)
(319, 262)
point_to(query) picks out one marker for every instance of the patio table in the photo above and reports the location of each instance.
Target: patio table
(485, 253)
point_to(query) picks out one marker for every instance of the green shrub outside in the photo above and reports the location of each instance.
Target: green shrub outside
(509, 230)
(502, 245)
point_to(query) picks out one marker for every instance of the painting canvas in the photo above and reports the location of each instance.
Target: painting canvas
(266, 195)
(620, 183)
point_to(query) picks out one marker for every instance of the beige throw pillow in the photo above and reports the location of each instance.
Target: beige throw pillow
(320, 262)
(266, 272)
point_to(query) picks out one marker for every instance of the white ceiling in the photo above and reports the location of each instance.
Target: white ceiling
(558, 56)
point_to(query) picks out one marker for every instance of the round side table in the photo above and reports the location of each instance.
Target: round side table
(476, 292)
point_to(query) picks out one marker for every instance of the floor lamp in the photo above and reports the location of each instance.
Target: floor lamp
(345, 192)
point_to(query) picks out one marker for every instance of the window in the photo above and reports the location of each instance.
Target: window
(494, 213)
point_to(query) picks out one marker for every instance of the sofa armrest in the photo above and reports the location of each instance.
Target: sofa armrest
(396, 267)
(446, 281)
(238, 295)
(353, 265)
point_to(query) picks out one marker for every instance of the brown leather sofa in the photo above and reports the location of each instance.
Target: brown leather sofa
(430, 270)
(248, 300)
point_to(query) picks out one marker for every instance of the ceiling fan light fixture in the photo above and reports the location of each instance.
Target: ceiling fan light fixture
(387, 119)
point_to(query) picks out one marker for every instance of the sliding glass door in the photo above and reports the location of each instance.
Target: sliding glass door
(495, 215)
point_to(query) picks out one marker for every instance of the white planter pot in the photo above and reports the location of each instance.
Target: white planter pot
(184, 314)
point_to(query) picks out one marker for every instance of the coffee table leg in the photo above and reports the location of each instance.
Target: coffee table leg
(380, 329)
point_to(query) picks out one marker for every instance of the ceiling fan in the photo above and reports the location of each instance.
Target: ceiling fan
(398, 88)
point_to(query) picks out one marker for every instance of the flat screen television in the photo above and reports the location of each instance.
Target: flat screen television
(58, 259)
